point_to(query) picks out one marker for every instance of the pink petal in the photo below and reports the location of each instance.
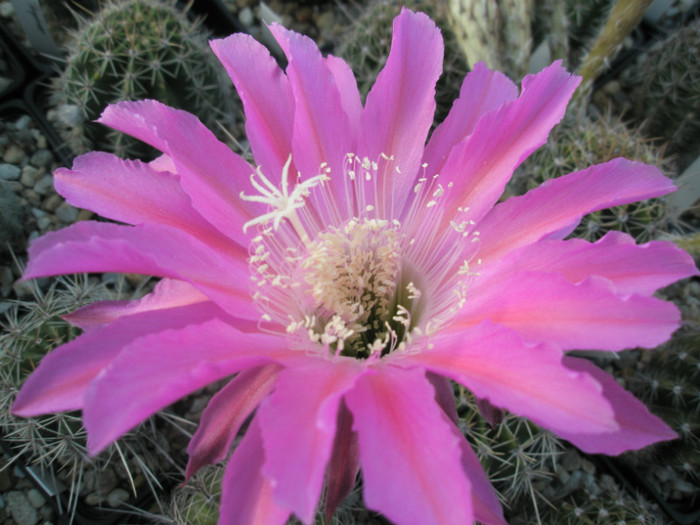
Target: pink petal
(163, 164)
(226, 412)
(344, 463)
(266, 96)
(168, 293)
(483, 91)
(222, 274)
(444, 396)
(62, 377)
(410, 456)
(131, 192)
(298, 425)
(400, 106)
(349, 94)
(559, 204)
(246, 497)
(586, 315)
(495, 364)
(631, 268)
(210, 173)
(321, 127)
(167, 366)
(479, 167)
(638, 427)
(487, 508)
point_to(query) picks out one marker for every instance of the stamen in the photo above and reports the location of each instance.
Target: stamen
(282, 203)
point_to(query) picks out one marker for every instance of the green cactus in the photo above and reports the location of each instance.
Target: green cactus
(518, 456)
(136, 49)
(365, 46)
(668, 99)
(197, 501)
(585, 18)
(623, 18)
(579, 142)
(601, 503)
(669, 383)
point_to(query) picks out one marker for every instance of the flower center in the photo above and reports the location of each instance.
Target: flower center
(348, 278)
(344, 272)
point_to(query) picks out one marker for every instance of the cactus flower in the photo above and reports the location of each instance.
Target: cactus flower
(343, 281)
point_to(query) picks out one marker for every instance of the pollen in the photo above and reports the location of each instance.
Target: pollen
(351, 273)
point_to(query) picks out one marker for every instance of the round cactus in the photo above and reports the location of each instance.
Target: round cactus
(136, 49)
(668, 99)
(365, 46)
(579, 142)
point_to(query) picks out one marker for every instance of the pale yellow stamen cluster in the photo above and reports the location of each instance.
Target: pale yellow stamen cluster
(345, 274)
(351, 272)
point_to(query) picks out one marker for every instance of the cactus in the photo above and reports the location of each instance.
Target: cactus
(498, 33)
(11, 219)
(623, 18)
(585, 18)
(550, 23)
(669, 382)
(668, 99)
(135, 49)
(365, 46)
(579, 142)
(30, 329)
(197, 503)
(517, 455)
(600, 503)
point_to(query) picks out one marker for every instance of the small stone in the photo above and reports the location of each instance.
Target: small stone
(43, 223)
(23, 122)
(38, 213)
(117, 497)
(66, 213)
(13, 154)
(6, 10)
(42, 158)
(102, 481)
(44, 185)
(21, 509)
(245, 16)
(30, 175)
(84, 215)
(41, 142)
(9, 172)
(303, 14)
(35, 498)
(52, 202)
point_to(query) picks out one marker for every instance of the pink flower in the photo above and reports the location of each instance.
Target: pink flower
(381, 268)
